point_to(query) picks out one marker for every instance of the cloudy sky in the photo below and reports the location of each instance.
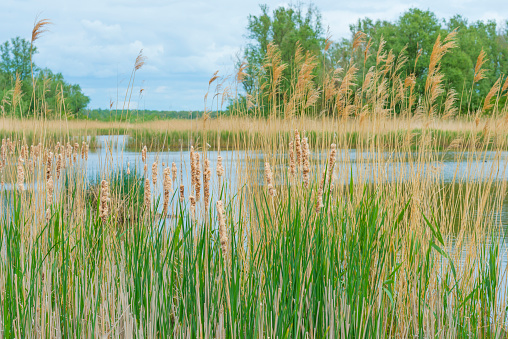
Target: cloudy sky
(94, 42)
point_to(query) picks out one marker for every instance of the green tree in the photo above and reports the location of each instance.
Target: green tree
(285, 27)
(53, 96)
(415, 33)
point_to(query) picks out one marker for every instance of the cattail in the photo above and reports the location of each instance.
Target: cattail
(143, 154)
(148, 195)
(24, 151)
(154, 173)
(220, 168)
(21, 175)
(193, 166)
(59, 164)
(319, 203)
(331, 162)
(306, 164)
(298, 146)
(192, 207)
(207, 173)
(49, 165)
(292, 165)
(83, 148)
(3, 152)
(197, 174)
(68, 152)
(145, 168)
(49, 196)
(50, 188)
(182, 191)
(269, 180)
(128, 168)
(76, 150)
(223, 236)
(103, 206)
(167, 188)
(174, 171)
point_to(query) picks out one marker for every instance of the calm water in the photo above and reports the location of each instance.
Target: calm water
(452, 167)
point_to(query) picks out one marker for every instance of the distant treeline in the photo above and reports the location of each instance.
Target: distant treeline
(142, 115)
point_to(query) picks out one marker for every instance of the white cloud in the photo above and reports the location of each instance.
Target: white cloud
(95, 42)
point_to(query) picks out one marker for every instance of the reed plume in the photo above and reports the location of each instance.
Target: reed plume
(40, 27)
(479, 72)
(104, 200)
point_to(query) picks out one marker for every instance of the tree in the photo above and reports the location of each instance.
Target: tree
(52, 94)
(414, 34)
(286, 27)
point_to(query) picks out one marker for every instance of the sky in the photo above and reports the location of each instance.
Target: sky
(94, 43)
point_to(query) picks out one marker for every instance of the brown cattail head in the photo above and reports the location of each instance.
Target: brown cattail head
(220, 168)
(83, 148)
(331, 162)
(167, 188)
(143, 154)
(49, 165)
(59, 164)
(155, 167)
(148, 194)
(21, 175)
(174, 171)
(306, 162)
(292, 164)
(269, 179)
(298, 147)
(319, 203)
(50, 189)
(76, 150)
(197, 175)
(223, 235)
(182, 191)
(193, 167)
(104, 200)
(207, 173)
(192, 207)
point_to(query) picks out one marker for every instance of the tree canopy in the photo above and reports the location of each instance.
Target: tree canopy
(282, 41)
(22, 94)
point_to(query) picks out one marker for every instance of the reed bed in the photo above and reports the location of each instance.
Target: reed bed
(282, 232)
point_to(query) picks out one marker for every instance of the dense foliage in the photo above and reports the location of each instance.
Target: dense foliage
(27, 90)
(280, 43)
